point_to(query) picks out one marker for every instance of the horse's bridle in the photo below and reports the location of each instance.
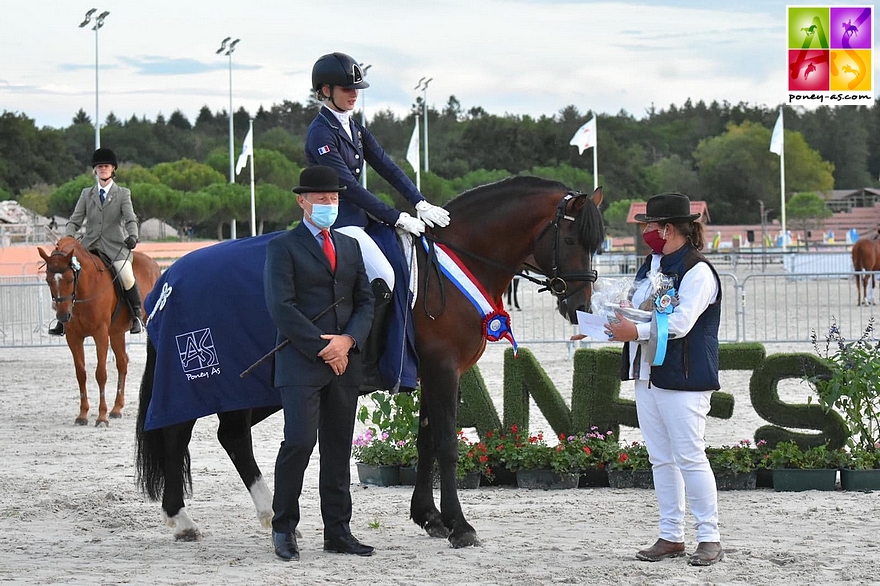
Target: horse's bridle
(75, 267)
(556, 282)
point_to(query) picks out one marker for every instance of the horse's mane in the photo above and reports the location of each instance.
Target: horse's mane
(589, 224)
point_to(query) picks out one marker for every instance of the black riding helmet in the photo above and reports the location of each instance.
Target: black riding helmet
(337, 69)
(104, 156)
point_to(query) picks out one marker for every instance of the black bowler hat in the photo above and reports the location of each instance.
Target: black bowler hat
(667, 207)
(318, 179)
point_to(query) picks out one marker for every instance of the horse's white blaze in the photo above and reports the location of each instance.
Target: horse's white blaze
(262, 498)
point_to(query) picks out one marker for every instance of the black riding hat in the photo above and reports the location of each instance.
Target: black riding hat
(318, 179)
(337, 69)
(667, 207)
(104, 156)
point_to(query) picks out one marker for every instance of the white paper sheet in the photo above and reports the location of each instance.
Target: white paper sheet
(592, 325)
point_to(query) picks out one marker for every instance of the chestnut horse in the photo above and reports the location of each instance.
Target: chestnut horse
(85, 300)
(866, 259)
(495, 230)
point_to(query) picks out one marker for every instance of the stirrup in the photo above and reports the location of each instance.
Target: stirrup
(136, 326)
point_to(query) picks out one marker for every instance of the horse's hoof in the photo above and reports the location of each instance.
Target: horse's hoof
(188, 535)
(115, 415)
(466, 539)
(102, 423)
(81, 421)
(435, 528)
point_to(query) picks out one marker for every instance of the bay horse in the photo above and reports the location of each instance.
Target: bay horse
(85, 300)
(866, 259)
(495, 230)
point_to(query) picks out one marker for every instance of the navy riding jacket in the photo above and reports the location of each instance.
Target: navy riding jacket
(328, 144)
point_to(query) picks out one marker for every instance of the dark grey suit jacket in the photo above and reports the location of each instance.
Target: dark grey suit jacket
(299, 285)
(107, 224)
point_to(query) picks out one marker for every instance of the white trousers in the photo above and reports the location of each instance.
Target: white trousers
(125, 272)
(375, 263)
(673, 424)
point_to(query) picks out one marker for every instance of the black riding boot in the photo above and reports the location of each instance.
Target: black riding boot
(57, 329)
(375, 345)
(133, 297)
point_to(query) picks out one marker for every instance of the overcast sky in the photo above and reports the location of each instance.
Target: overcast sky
(521, 57)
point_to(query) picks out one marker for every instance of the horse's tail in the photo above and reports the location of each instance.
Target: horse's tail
(151, 444)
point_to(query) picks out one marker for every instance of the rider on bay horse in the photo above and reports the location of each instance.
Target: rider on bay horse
(336, 139)
(111, 229)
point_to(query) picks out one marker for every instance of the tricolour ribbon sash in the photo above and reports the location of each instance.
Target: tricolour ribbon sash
(496, 321)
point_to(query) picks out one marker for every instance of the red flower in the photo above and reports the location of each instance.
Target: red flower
(514, 428)
(587, 450)
(559, 447)
(484, 459)
(623, 458)
(490, 434)
(471, 454)
(562, 437)
(532, 439)
(499, 448)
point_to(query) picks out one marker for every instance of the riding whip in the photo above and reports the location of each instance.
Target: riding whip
(286, 341)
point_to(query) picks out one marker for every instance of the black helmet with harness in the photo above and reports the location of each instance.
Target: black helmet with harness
(337, 69)
(104, 156)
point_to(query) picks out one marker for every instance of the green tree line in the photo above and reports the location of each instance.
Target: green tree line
(719, 152)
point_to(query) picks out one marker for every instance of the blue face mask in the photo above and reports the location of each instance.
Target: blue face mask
(323, 215)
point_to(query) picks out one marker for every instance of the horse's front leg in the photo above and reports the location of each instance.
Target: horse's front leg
(441, 397)
(79, 364)
(102, 344)
(117, 343)
(234, 434)
(422, 509)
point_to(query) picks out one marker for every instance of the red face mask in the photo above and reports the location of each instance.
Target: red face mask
(654, 240)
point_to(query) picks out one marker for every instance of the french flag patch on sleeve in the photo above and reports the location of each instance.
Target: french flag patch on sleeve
(324, 149)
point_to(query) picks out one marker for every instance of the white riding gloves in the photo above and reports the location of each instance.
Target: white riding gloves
(409, 224)
(431, 214)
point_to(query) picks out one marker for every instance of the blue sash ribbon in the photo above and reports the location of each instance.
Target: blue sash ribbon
(664, 305)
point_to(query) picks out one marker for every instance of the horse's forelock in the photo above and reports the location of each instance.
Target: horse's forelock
(590, 226)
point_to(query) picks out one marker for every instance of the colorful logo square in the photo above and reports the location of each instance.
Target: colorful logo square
(808, 70)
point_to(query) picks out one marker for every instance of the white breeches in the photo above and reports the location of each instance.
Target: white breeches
(375, 262)
(673, 424)
(125, 272)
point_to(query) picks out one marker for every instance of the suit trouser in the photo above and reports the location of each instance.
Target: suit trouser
(326, 414)
(673, 424)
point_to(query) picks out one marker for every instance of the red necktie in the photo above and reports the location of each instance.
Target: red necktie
(329, 250)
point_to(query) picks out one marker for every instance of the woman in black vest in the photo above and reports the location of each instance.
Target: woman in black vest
(672, 399)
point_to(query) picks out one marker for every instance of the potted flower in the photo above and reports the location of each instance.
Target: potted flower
(735, 466)
(852, 388)
(629, 467)
(599, 447)
(472, 462)
(539, 465)
(500, 444)
(378, 458)
(796, 469)
(862, 469)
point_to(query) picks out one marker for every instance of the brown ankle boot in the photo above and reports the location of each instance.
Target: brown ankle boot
(707, 553)
(662, 549)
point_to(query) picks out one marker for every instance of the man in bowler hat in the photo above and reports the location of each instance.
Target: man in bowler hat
(319, 297)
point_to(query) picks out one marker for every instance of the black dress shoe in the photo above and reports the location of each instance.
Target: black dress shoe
(347, 544)
(285, 546)
(57, 329)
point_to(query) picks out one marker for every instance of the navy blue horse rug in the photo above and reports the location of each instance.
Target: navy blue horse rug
(208, 322)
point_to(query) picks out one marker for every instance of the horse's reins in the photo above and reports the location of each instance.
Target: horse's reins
(555, 283)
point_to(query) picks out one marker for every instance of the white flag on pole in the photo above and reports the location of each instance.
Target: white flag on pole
(585, 137)
(247, 150)
(412, 152)
(776, 141)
